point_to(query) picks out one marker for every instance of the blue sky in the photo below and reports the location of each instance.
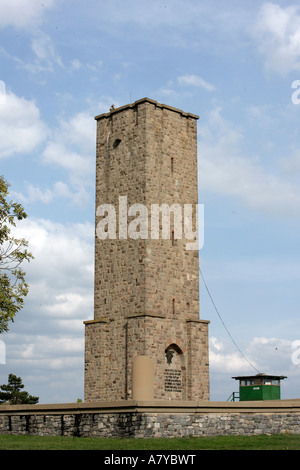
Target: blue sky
(233, 63)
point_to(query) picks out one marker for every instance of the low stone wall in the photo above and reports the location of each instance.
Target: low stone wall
(152, 419)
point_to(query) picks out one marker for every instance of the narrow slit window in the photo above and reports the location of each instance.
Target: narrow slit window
(172, 164)
(116, 143)
(173, 306)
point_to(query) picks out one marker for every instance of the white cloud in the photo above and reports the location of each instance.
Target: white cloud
(80, 130)
(22, 13)
(61, 274)
(73, 145)
(195, 80)
(76, 64)
(42, 46)
(66, 304)
(261, 115)
(215, 343)
(149, 15)
(277, 31)
(35, 194)
(48, 334)
(58, 153)
(45, 57)
(291, 165)
(274, 356)
(21, 127)
(72, 148)
(45, 54)
(270, 355)
(45, 347)
(188, 17)
(226, 361)
(224, 170)
(231, 363)
(64, 249)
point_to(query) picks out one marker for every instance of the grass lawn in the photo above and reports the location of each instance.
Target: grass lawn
(261, 442)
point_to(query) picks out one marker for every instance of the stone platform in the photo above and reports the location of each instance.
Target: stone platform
(152, 418)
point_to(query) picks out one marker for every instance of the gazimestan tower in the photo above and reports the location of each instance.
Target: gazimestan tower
(146, 310)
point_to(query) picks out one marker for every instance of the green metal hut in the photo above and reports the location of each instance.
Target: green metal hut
(259, 387)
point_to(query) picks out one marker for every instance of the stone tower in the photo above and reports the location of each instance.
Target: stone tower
(146, 283)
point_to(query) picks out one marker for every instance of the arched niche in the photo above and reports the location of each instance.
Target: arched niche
(175, 373)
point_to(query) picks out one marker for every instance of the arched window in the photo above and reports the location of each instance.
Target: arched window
(171, 350)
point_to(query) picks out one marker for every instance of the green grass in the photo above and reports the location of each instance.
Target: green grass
(261, 442)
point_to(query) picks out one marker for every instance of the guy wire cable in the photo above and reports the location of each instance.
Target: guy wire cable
(224, 323)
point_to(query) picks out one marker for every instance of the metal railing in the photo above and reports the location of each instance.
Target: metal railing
(235, 396)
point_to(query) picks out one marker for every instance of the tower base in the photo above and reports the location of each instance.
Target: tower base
(177, 349)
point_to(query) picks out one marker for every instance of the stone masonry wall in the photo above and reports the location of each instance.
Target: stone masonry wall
(140, 423)
(146, 289)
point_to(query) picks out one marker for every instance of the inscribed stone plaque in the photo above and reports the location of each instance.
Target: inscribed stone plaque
(173, 380)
